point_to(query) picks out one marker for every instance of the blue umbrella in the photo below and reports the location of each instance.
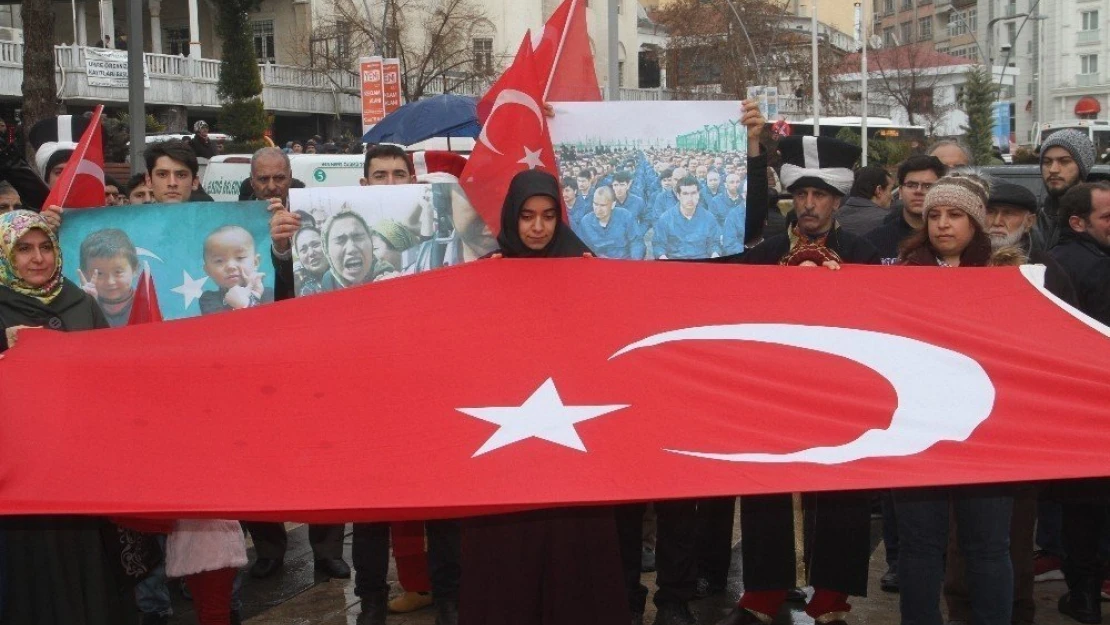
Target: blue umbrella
(442, 116)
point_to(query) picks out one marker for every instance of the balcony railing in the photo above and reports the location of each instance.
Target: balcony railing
(1086, 80)
(185, 81)
(1089, 36)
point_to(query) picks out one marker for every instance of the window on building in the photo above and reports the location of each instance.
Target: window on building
(1011, 33)
(888, 37)
(1090, 20)
(925, 29)
(264, 40)
(888, 7)
(620, 73)
(176, 41)
(483, 54)
(907, 32)
(907, 5)
(1088, 64)
(962, 22)
(922, 100)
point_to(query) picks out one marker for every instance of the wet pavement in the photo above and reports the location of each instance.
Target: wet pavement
(295, 596)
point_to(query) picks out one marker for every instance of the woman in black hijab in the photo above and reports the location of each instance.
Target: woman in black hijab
(530, 220)
(542, 567)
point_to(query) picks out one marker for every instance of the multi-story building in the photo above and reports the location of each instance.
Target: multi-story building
(305, 95)
(1072, 58)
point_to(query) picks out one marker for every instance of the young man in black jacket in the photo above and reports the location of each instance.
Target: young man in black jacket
(916, 175)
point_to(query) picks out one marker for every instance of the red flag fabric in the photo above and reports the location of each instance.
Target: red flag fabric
(144, 309)
(564, 60)
(573, 381)
(514, 138)
(81, 184)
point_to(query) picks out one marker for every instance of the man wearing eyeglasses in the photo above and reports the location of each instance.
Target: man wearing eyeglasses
(916, 175)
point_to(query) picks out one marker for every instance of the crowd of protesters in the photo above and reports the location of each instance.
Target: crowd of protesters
(583, 565)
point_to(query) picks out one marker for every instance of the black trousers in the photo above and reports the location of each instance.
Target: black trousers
(675, 552)
(1084, 507)
(370, 556)
(270, 540)
(714, 518)
(841, 535)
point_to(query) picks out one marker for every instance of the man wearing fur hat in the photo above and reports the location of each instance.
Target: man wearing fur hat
(817, 172)
(1066, 160)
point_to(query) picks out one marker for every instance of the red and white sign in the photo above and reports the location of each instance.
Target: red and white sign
(391, 82)
(505, 384)
(373, 92)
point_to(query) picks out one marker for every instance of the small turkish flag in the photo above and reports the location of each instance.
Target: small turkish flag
(81, 184)
(145, 307)
(514, 138)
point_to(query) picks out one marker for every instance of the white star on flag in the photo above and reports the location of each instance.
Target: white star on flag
(532, 159)
(543, 415)
(190, 289)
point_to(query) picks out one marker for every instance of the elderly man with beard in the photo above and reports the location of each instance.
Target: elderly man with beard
(1066, 160)
(818, 173)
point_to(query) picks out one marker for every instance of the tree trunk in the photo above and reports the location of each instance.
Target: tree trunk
(40, 91)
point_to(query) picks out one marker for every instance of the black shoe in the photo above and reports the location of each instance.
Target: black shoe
(153, 618)
(265, 567)
(889, 581)
(796, 595)
(740, 616)
(675, 614)
(447, 612)
(1081, 606)
(374, 606)
(334, 568)
(235, 618)
(647, 560)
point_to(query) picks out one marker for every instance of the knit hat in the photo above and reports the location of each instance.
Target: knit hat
(1010, 194)
(959, 192)
(1077, 144)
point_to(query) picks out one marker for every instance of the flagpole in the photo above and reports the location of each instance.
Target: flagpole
(614, 53)
(559, 50)
(863, 78)
(816, 91)
(73, 7)
(135, 75)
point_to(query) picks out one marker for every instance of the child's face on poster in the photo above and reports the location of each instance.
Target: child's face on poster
(230, 259)
(114, 277)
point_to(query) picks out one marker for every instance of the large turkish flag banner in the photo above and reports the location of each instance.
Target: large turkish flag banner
(521, 383)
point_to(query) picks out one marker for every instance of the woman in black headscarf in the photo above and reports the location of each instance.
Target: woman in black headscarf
(542, 567)
(530, 220)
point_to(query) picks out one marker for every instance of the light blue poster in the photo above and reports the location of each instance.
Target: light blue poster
(204, 257)
(1002, 126)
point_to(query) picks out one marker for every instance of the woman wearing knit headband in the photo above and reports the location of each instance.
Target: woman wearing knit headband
(955, 235)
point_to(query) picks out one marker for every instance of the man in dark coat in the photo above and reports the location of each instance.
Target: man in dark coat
(817, 172)
(1084, 252)
(916, 175)
(201, 144)
(1066, 160)
(868, 203)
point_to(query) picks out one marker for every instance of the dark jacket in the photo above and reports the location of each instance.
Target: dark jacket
(213, 301)
(759, 200)
(1047, 233)
(73, 309)
(887, 237)
(202, 147)
(860, 215)
(851, 249)
(1088, 265)
(246, 191)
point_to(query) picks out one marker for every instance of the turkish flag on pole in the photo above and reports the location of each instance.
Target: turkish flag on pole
(81, 184)
(538, 383)
(563, 57)
(514, 138)
(145, 307)
(564, 62)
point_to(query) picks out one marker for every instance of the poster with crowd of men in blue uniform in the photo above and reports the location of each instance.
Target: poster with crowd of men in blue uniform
(653, 180)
